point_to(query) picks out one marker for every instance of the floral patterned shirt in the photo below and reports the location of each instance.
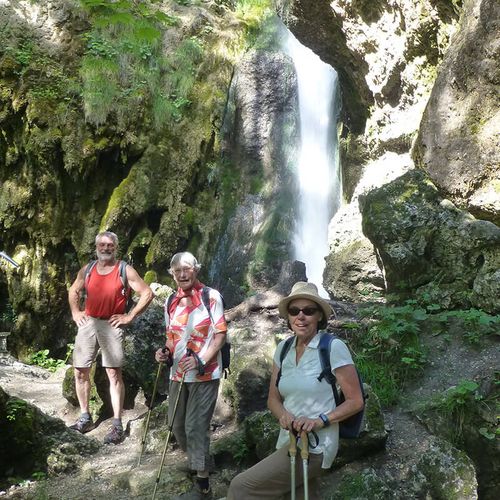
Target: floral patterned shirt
(190, 327)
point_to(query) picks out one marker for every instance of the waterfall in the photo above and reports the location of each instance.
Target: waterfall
(318, 172)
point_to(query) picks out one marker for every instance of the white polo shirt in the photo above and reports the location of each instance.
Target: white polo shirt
(304, 395)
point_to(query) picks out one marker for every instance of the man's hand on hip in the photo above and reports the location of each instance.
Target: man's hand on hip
(80, 318)
(118, 320)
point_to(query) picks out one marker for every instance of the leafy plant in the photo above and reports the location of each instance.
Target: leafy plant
(8, 317)
(459, 405)
(124, 70)
(42, 359)
(390, 352)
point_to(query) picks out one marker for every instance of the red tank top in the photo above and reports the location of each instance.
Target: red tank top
(105, 294)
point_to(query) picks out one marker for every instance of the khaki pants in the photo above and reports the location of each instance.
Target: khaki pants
(194, 413)
(270, 478)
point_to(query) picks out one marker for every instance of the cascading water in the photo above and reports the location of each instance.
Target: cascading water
(318, 171)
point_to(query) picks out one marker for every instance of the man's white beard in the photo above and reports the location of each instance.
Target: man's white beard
(105, 257)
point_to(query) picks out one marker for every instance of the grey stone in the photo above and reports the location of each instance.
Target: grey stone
(457, 144)
(431, 249)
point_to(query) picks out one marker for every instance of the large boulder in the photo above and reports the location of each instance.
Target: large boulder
(441, 472)
(457, 144)
(352, 272)
(431, 249)
(32, 441)
(466, 415)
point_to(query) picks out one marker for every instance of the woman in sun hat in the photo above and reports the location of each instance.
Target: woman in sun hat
(300, 401)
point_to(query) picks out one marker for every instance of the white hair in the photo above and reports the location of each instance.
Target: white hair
(107, 234)
(184, 258)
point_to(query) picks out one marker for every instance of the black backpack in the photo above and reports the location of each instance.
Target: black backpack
(350, 427)
(226, 348)
(126, 290)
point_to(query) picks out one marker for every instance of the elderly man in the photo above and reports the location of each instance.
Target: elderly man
(196, 331)
(100, 325)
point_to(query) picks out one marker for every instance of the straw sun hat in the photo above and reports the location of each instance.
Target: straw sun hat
(304, 290)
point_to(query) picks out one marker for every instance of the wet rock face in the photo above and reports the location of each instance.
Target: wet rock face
(457, 143)
(429, 247)
(260, 140)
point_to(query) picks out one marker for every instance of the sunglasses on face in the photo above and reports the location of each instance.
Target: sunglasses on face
(308, 310)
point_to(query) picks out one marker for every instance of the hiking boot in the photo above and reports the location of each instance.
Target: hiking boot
(83, 425)
(114, 436)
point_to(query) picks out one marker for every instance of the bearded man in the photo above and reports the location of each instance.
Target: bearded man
(100, 325)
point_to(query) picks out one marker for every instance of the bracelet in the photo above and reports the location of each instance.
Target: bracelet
(325, 420)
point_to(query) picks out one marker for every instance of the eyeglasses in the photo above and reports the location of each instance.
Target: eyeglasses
(308, 310)
(178, 272)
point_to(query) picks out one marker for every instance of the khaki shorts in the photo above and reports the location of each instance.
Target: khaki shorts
(95, 334)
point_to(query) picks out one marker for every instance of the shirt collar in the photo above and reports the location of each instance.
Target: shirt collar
(313, 344)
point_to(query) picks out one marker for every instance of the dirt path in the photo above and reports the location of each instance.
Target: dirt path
(112, 473)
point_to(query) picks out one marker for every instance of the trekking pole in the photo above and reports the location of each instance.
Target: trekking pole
(292, 452)
(169, 433)
(143, 443)
(304, 453)
(169, 430)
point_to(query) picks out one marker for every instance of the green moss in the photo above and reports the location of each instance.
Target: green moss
(364, 484)
(150, 277)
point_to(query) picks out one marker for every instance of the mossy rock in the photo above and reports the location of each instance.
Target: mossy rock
(261, 431)
(31, 441)
(100, 400)
(446, 473)
(431, 249)
(467, 416)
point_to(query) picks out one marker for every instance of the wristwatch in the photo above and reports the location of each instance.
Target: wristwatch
(325, 420)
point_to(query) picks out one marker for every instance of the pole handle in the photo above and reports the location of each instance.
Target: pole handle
(304, 451)
(292, 448)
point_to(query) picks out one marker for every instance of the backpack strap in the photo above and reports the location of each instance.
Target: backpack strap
(123, 278)
(325, 345)
(205, 298)
(169, 302)
(86, 277)
(286, 347)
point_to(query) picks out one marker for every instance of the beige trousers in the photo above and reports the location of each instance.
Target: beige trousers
(270, 478)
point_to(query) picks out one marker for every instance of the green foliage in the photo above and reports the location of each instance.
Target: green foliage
(42, 359)
(8, 317)
(252, 14)
(41, 79)
(459, 405)
(124, 70)
(474, 324)
(390, 352)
